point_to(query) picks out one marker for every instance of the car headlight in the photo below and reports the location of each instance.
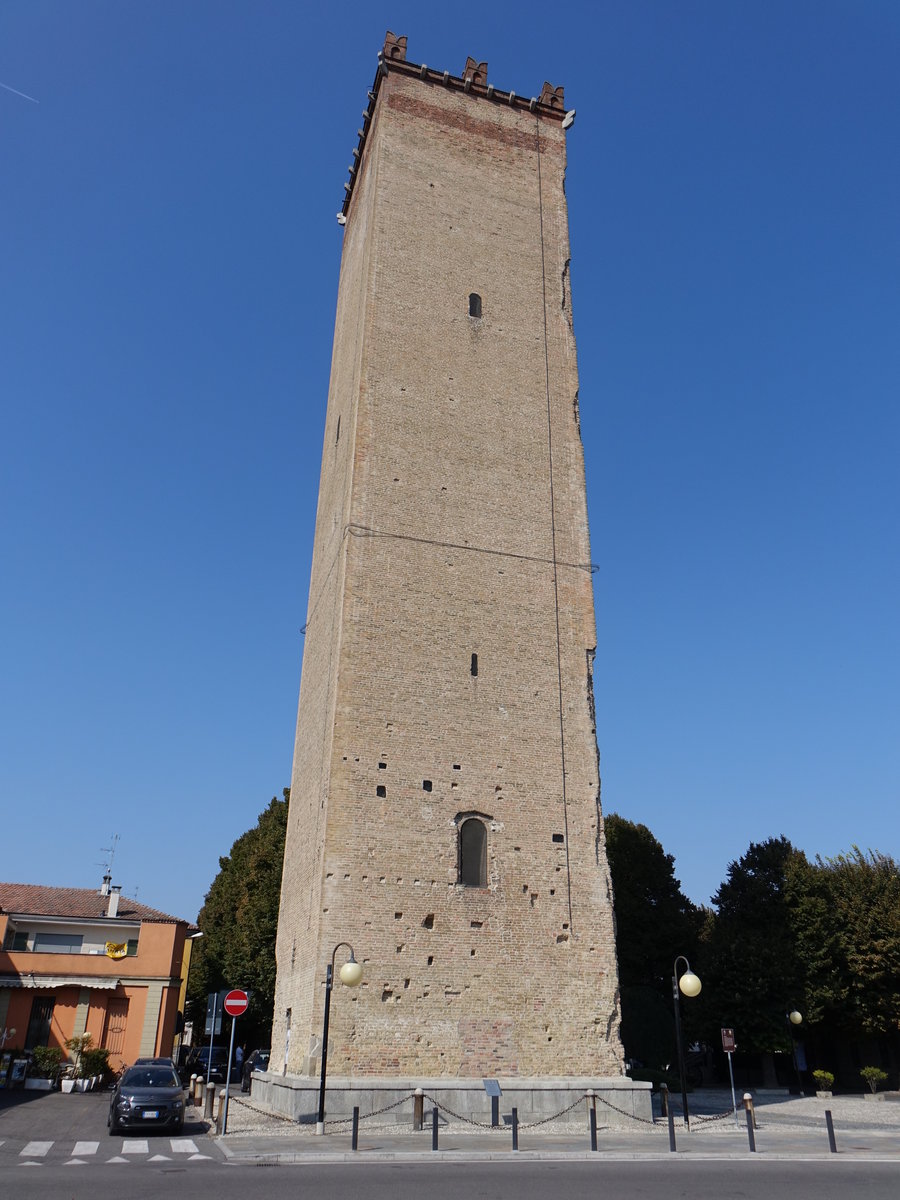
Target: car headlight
(178, 1104)
(123, 1104)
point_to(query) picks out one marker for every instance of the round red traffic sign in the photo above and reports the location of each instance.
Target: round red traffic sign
(235, 1003)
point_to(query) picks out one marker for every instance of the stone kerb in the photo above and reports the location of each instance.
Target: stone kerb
(619, 1100)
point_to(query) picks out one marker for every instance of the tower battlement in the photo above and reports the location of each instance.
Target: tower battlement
(473, 80)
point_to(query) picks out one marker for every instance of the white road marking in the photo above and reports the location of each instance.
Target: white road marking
(197, 1157)
(117, 1159)
(35, 1150)
(85, 1148)
(75, 1162)
(183, 1146)
(30, 1164)
(136, 1146)
(159, 1158)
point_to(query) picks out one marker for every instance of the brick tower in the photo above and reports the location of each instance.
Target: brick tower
(445, 817)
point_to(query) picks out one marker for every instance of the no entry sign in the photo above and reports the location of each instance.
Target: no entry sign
(235, 1003)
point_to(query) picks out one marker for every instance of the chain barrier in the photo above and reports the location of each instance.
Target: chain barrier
(375, 1113)
(457, 1116)
(624, 1113)
(729, 1112)
(241, 1103)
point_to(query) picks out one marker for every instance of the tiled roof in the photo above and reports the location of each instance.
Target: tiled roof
(41, 901)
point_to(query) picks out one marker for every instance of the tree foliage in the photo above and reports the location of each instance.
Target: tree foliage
(846, 916)
(239, 920)
(752, 975)
(821, 936)
(655, 921)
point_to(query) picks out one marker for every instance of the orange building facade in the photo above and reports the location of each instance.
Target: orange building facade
(78, 960)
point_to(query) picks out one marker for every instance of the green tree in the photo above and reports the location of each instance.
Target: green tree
(239, 920)
(753, 973)
(847, 929)
(655, 921)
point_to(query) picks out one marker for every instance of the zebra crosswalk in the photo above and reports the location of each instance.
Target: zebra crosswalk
(122, 1150)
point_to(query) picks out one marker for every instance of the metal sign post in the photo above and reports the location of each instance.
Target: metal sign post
(235, 1004)
(729, 1046)
(213, 1018)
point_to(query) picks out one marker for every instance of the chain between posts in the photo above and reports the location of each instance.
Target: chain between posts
(522, 1124)
(375, 1113)
(729, 1112)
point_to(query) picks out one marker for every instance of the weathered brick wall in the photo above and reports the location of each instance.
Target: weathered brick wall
(456, 470)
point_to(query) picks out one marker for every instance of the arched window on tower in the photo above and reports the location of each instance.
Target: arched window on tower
(474, 304)
(473, 853)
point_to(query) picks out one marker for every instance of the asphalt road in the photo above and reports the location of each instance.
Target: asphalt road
(476, 1181)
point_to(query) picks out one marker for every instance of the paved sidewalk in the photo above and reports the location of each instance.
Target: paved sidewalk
(789, 1128)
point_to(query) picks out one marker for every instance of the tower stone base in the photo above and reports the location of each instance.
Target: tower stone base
(618, 1100)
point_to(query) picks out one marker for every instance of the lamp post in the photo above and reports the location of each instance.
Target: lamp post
(794, 1018)
(690, 985)
(351, 974)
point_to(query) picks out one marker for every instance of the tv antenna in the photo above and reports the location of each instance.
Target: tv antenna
(111, 851)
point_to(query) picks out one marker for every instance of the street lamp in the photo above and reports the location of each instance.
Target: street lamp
(795, 1018)
(690, 985)
(351, 974)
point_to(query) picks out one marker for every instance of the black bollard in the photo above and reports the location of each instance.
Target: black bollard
(671, 1117)
(354, 1144)
(828, 1121)
(750, 1136)
(515, 1128)
(434, 1129)
(663, 1100)
(495, 1112)
(593, 1129)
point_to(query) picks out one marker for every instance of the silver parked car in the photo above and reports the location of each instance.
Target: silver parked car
(147, 1097)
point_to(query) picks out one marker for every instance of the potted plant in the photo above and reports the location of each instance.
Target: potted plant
(824, 1083)
(45, 1064)
(873, 1076)
(94, 1065)
(76, 1047)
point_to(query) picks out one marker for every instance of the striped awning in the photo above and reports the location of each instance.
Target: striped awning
(106, 982)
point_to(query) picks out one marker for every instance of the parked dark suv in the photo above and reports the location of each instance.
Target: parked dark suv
(198, 1061)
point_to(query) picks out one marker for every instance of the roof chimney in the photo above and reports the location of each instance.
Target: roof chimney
(113, 907)
(104, 887)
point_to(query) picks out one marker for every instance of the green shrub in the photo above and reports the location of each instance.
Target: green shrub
(46, 1061)
(94, 1061)
(873, 1076)
(824, 1080)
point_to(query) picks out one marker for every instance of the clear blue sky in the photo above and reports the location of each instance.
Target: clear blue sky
(168, 273)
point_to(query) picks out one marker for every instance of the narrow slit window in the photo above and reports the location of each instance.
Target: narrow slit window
(474, 304)
(473, 853)
(474, 666)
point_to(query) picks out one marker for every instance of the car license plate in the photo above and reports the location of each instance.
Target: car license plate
(152, 1113)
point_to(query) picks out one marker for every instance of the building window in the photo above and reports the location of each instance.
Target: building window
(58, 943)
(39, 1025)
(474, 304)
(473, 853)
(132, 947)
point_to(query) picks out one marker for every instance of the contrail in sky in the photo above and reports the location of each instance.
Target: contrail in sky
(22, 94)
